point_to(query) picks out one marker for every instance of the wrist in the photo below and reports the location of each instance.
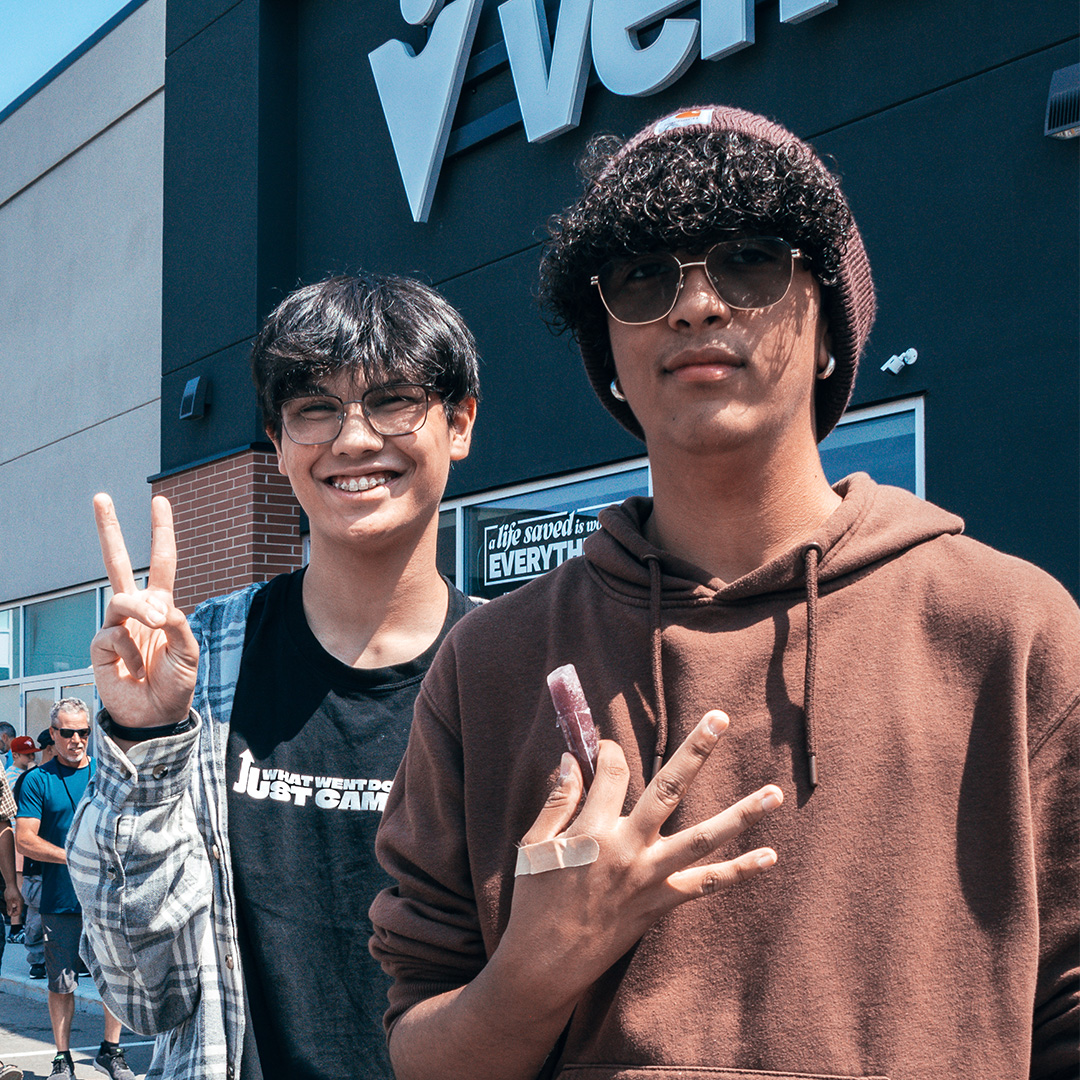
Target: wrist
(121, 734)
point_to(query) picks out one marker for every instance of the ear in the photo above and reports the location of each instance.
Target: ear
(461, 426)
(276, 440)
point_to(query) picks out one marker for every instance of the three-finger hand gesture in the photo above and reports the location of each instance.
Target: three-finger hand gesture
(579, 920)
(145, 657)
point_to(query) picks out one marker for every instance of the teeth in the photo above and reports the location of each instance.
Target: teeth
(359, 483)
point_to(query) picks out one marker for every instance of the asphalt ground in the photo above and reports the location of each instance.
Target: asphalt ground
(26, 1037)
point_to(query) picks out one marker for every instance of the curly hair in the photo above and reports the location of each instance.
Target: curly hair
(380, 328)
(680, 191)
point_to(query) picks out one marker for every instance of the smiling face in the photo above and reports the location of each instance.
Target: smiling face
(366, 490)
(710, 377)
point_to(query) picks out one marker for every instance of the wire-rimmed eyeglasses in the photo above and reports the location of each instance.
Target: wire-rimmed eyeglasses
(396, 409)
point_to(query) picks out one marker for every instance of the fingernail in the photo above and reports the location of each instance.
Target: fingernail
(766, 860)
(566, 766)
(770, 801)
(717, 723)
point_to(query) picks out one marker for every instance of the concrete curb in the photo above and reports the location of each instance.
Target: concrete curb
(13, 981)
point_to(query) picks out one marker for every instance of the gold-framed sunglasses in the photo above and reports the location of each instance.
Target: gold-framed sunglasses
(747, 273)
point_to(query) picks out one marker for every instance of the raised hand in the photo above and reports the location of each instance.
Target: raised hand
(145, 657)
(577, 921)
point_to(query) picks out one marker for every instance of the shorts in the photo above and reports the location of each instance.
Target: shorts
(62, 934)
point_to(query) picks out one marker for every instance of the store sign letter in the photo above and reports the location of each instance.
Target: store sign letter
(549, 80)
(419, 93)
(626, 68)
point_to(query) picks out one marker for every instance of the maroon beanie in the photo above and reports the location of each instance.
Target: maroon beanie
(848, 304)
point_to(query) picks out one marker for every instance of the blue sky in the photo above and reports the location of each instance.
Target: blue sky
(37, 34)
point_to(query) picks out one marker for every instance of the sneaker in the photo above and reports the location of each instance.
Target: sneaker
(37, 971)
(61, 1068)
(9, 1072)
(112, 1063)
(16, 937)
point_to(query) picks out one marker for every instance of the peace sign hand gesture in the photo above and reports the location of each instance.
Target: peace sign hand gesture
(145, 656)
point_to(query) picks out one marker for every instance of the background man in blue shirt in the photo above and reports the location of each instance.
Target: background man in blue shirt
(47, 800)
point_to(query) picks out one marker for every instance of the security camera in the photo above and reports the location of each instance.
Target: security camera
(896, 364)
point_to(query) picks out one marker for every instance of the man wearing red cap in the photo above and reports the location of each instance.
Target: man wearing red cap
(913, 694)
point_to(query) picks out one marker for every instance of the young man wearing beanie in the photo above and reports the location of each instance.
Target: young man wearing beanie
(914, 694)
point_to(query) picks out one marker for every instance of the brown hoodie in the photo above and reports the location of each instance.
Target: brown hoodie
(922, 919)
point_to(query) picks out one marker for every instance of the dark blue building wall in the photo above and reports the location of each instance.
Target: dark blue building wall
(279, 169)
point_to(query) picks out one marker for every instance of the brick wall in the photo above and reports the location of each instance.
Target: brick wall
(236, 522)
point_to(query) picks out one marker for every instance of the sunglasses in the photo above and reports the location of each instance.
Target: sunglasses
(71, 732)
(752, 272)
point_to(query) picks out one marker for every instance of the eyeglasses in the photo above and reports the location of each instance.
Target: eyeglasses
(752, 272)
(71, 732)
(398, 409)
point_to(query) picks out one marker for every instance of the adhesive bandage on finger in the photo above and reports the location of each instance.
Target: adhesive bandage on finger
(557, 854)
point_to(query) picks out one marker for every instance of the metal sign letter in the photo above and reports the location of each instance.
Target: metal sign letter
(623, 66)
(550, 80)
(419, 94)
(726, 27)
(794, 11)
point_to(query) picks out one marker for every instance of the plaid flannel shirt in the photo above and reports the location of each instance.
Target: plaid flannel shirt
(149, 857)
(7, 800)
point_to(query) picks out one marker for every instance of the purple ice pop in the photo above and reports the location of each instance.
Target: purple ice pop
(574, 719)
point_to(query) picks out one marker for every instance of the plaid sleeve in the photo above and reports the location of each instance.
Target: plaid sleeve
(7, 800)
(141, 873)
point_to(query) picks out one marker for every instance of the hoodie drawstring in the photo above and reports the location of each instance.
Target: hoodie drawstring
(812, 558)
(657, 665)
(812, 555)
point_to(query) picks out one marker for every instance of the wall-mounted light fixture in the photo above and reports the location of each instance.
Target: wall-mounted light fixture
(195, 398)
(1063, 104)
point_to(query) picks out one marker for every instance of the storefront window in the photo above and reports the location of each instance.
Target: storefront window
(446, 544)
(58, 633)
(9, 644)
(492, 544)
(39, 704)
(511, 540)
(884, 441)
(9, 706)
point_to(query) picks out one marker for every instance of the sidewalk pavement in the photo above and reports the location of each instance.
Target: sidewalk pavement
(15, 979)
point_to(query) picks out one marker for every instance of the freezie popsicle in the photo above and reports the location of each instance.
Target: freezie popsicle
(574, 719)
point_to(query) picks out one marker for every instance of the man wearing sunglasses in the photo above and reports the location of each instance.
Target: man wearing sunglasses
(250, 751)
(914, 695)
(48, 796)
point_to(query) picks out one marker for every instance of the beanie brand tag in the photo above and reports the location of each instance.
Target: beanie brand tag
(686, 118)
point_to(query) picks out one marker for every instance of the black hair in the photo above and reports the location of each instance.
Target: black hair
(378, 328)
(684, 191)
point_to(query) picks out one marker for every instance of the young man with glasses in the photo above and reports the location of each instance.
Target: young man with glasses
(250, 751)
(914, 694)
(48, 797)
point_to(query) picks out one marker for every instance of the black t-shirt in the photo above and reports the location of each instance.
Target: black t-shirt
(313, 748)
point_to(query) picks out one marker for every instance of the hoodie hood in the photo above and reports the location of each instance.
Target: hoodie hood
(872, 524)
